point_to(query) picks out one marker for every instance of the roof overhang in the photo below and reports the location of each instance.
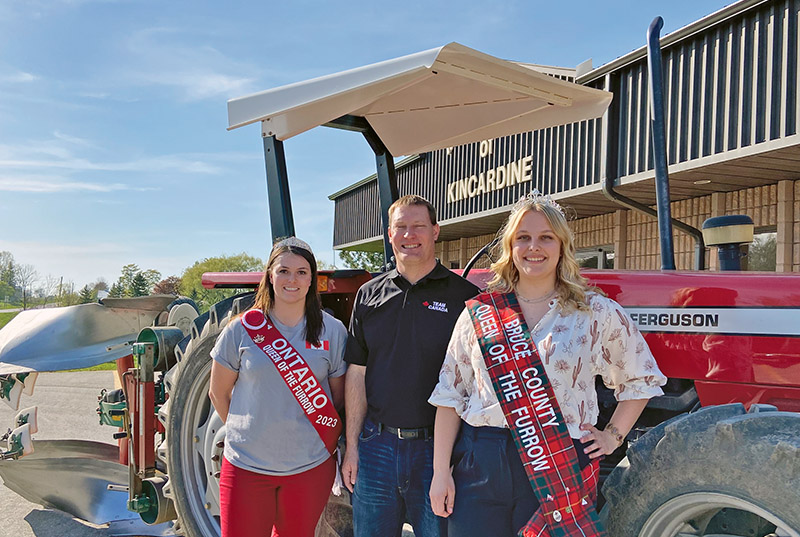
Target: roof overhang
(443, 97)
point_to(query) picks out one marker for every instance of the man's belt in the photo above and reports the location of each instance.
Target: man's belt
(540, 433)
(407, 434)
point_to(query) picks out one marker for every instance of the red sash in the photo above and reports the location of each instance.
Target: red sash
(566, 494)
(297, 375)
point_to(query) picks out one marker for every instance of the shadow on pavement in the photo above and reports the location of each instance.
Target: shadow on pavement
(49, 523)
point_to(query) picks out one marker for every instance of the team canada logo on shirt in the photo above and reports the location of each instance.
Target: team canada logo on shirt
(436, 306)
(258, 339)
(324, 345)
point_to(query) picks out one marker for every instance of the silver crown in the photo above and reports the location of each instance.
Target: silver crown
(537, 198)
(293, 241)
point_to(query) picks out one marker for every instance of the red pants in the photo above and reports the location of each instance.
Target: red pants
(253, 504)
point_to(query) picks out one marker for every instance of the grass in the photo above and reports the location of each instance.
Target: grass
(108, 366)
(7, 316)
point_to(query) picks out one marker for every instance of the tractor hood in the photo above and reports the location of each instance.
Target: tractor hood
(73, 337)
(430, 100)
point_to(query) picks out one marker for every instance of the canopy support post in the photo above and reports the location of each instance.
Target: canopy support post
(280, 203)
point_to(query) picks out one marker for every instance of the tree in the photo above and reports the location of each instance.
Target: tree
(168, 286)
(6, 292)
(125, 280)
(191, 278)
(151, 278)
(139, 286)
(134, 281)
(48, 289)
(86, 295)
(371, 261)
(7, 272)
(116, 291)
(324, 265)
(67, 294)
(99, 285)
(762, 253)
(25, 276)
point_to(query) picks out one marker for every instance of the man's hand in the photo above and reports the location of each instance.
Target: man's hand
(350, 467)
(443, 494)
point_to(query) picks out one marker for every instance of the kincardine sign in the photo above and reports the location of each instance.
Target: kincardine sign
(498, 178)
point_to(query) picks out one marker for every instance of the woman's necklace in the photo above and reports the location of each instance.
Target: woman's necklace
(537, 300)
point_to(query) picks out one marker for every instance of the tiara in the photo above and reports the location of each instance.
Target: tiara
(293, 241)
(534, 197)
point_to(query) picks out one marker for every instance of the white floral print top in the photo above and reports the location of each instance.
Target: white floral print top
(574, 348)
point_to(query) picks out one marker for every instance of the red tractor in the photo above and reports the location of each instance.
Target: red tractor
(718, 454)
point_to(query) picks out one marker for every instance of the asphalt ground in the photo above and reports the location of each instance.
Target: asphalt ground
(67, 403)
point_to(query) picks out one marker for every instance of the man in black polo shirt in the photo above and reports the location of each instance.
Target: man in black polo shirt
(401, 324)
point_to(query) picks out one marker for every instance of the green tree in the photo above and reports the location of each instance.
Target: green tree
(6, 293)
(762, 252)
(371, 261)
(139, 286)
(125, 280)
(134, 281)
(7, 268)
(86, 295)
(151, 277)
(116, 291)
(191, 279)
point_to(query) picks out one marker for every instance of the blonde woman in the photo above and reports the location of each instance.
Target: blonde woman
(515, 443)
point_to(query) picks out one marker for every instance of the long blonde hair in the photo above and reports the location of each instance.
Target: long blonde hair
(570, 285)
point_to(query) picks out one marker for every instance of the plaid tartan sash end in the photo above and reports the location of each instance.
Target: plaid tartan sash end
(557, 518)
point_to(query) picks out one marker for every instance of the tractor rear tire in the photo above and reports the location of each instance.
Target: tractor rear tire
(191, 424)
(718, 471)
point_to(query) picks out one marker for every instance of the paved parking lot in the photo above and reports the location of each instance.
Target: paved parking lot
(67, 403)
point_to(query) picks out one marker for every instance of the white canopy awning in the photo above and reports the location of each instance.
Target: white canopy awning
(430, 100)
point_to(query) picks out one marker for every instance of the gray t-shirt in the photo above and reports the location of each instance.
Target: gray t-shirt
(267, 431)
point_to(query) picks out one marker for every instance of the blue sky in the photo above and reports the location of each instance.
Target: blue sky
(113, 141)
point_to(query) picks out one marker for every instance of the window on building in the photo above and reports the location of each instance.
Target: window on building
(761, 254)
(596, 258)
(454, 264)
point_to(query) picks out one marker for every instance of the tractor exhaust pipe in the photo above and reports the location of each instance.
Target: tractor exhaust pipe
(664, 213)
(656, 94)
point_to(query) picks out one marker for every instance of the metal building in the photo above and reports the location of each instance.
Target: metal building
(730, 82)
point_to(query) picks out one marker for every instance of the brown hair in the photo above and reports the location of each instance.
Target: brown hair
(571, 286)
(265, 296)
(413, 199)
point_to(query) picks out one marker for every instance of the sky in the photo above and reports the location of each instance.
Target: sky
(113, 114)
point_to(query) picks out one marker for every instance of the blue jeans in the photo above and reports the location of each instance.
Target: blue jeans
(393, 481)
(493, 494)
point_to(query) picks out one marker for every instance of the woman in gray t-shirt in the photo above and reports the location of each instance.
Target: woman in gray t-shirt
(276, 473)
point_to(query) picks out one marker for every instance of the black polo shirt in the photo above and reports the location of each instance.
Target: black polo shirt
(400, 332)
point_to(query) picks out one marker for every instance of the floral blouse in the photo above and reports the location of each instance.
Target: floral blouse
(574, 347)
